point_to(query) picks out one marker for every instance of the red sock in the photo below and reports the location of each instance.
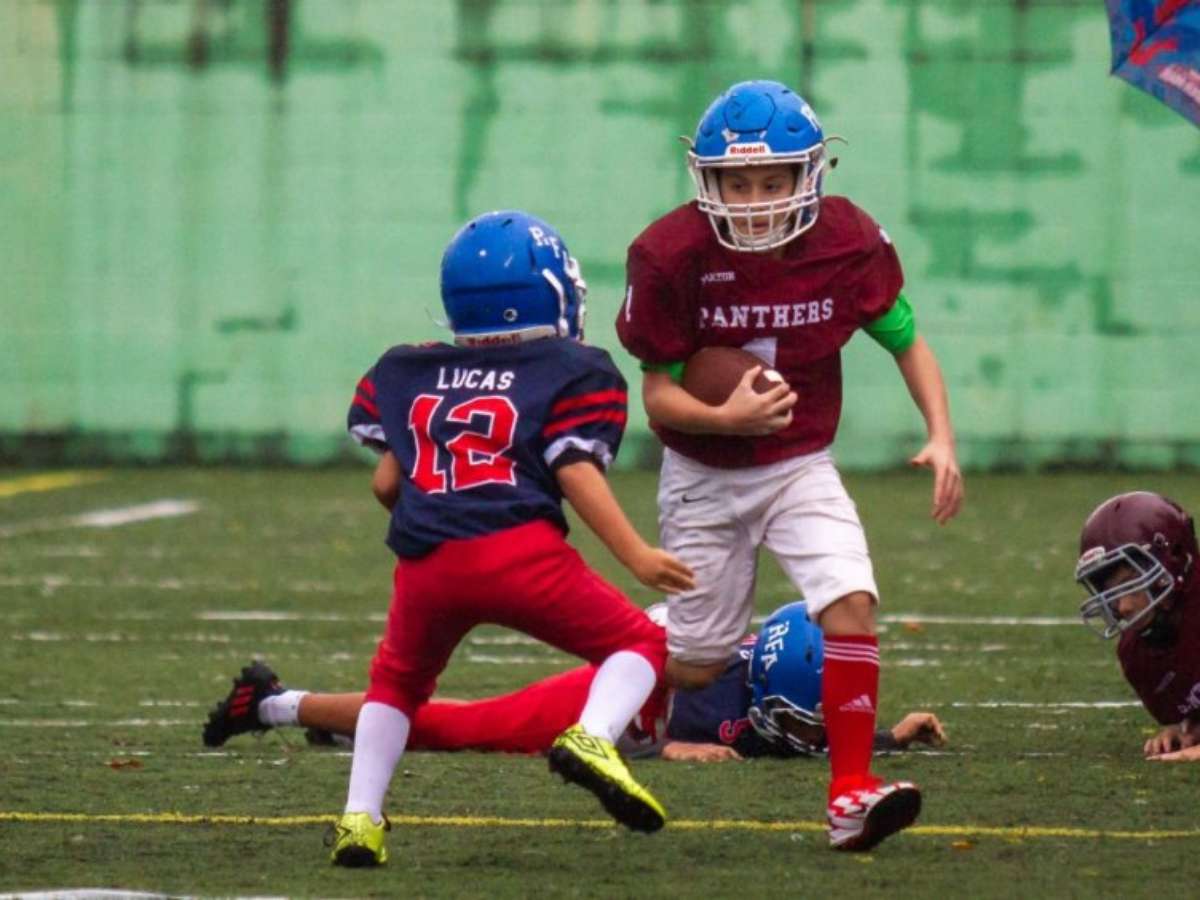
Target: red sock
(849, 691)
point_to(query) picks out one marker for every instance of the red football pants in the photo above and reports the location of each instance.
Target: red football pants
(525, 721)
(526, 578)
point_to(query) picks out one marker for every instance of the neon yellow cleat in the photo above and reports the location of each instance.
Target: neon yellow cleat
(357, 841)
(594, 763)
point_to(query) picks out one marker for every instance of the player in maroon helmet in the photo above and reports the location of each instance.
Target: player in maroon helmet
(763, 261)
(1138, 564)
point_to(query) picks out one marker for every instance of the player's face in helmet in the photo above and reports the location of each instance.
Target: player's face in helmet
(784, 678)
(758, 198)
(1130, 601)
(758, 125)
(1137, 552)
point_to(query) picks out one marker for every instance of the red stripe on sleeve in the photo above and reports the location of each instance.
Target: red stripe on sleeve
(367, 387)
(371, 408)
(604, 415)
(593, 399)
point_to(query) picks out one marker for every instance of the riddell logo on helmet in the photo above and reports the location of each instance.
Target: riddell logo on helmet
(489, 340)
(758, 149)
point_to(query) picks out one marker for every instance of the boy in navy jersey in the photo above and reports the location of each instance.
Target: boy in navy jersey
(481, 442)
(762, 261)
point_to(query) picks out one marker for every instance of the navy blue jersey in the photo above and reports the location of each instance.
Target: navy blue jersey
(479, 431)
(717, 714)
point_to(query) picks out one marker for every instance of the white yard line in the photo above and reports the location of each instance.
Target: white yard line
(143, 512)
(1067, 704)
(1082, 705)
(1033, 621)
(263, 615)
(271, 615)
(107, 518)
(925, 619)
(88, 723)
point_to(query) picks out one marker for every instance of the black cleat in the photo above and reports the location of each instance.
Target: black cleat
(238, 713)
(319, 737)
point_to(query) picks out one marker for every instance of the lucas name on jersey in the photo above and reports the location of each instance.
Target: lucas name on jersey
(766, 315)
(475, 379)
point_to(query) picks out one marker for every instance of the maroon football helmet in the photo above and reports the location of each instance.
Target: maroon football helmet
(1147, 533)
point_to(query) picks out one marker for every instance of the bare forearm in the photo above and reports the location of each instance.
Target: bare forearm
(923, 377)
(669, 404)
(587, 490)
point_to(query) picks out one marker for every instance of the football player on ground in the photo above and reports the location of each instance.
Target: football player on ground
(761, 260)
(481, 442)
(766, 703)
(1138, 564)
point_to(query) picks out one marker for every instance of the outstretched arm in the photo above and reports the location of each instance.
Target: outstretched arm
(920, 728)
(683, 751)
(921, 373)
(587, 490)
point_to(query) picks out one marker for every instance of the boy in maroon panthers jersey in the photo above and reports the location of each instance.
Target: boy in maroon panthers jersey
(1138, 564)
(751, 264)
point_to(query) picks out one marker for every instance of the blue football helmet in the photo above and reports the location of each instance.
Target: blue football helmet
(785, 681)
(507, 277)
(759, 123)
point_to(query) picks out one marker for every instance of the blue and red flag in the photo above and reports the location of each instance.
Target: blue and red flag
(1156, 47)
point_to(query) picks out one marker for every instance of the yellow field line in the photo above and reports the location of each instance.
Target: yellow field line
(55, 481)
(173, 818)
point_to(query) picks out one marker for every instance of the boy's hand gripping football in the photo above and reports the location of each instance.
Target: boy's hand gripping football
(748, 412)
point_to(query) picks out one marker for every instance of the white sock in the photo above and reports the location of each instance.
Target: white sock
(622, 684)
(281, 709)
(379, 741)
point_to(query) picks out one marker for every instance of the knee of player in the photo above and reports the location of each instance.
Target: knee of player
(692, 676)
(852, 614)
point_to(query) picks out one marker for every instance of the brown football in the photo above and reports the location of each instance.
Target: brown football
(713, 372)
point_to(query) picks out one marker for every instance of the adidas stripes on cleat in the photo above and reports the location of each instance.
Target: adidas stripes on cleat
(594, 763)
(238, 712)
(357, 841)
(860, 819)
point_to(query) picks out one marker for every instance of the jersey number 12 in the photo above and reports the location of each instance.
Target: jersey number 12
(476, 457)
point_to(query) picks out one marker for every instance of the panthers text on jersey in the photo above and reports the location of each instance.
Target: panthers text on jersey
(478, 432)
(685, 291)
(1167, 678)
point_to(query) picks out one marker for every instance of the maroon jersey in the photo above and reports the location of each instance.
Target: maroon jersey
(1167, 679)
(685, 291)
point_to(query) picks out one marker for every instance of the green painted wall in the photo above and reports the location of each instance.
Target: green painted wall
(210, 223)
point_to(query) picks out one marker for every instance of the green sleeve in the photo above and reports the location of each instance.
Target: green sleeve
(675, 369)
(896, 329)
